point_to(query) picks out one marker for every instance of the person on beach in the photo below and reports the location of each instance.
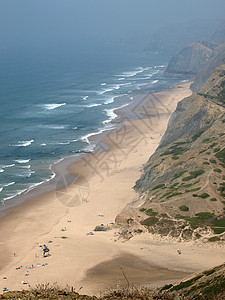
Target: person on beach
(45, 250)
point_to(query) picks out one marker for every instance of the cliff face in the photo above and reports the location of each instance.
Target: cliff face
(200, 59)
(190, 59)
(183, 183)
(217, 59)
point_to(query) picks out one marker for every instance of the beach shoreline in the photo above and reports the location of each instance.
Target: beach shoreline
(103, 187)
(60, 166)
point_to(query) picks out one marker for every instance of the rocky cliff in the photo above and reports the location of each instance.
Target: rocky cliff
(217, 59)
(183, 183)
(190, 59)
(200, 58)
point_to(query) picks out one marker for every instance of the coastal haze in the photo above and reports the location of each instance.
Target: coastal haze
(86, 91)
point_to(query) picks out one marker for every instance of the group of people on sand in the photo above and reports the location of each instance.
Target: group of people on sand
(45, 250)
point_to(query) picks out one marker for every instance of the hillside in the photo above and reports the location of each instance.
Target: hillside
(183, 183)
(209, 284)
(200, 58)
(190, 59)
(217, 59)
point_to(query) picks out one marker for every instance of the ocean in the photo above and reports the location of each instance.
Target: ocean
(53, 101)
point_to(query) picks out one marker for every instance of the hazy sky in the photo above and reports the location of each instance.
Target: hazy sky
(45, 22)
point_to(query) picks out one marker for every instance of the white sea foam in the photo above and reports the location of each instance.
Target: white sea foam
(22, 161)
(57, 127)
(26, 174)
(110, 113)
(93, 105)
(25, 167)
(155, 81)
(162, 66)
(86, 137)
(63, 143)
(85, 98)
(8, 184)
(53, 106)
(74, 128)
(24, 143)
(134, 73)
(8, 166)
(110, 100)
(122, 78)
(125, 84)
(43, 144)
(153, 73)
(16, 193)
(1, 170)
(105, 91)
(104, 83)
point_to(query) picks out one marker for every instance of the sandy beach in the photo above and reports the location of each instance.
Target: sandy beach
(64, 218)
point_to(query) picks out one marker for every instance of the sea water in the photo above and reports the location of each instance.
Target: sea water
(53, 101)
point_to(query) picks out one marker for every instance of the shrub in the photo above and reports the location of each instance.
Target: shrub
(221, 155)
(219, 223)
(177, 175)
(161, 185)
(193, 174)
(150, 212)
(206, 163)
(192, 190)
(142, 209)
(213, 161)
(217, 170)
(205, 140)
(150, 221)
(213, 199)
(173, 195)
(204, 215)
(204, 195)
(184, 208)
(197, 135)
(214, 239)
(218, 230)
(175, 157)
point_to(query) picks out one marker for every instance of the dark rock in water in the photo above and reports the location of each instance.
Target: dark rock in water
(189, 60)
